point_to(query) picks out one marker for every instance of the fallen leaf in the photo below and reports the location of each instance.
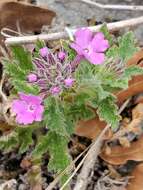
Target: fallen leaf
(120, 155)
(23, 17)
(133, 90)
(91, 128)
(28, 17)
(136, 59)
(136, 181)
(134, 126)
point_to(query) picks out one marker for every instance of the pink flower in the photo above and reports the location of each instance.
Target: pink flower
(28, 109)
(69, 82)
(91, 47)
(55, 90)
(32, 78)
(43, 51)
(61, 55)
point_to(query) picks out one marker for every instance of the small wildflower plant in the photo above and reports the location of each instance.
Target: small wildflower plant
(53, 90)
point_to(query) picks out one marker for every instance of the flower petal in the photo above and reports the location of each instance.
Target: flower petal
(83, 37)
(95, 58)
(18, 106)
(25, 118)
(39, 113)
(77, 48)
(99, 43)
(30, 98)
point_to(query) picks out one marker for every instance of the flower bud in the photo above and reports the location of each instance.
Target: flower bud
(61, 55)
(32, 78)
(43, 51)
(69, 82)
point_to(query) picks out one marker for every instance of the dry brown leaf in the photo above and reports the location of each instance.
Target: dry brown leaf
(91, 128)
(136, 182)
(28, 17)
(135, 126)
(120, 155)
(23, 17)
(133, 90)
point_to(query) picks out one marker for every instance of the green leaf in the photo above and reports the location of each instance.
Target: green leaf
(23, 58)
(9, 142)
(71, 52)
(14, 70)
(58, 152)
(108, 111)
(22, 86)
(106, 33)
(133, 71)
(25, 138)
(54, 117)
(125, 48)
(56, 145)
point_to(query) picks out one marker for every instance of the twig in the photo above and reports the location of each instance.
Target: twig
(115, 7)
(91, 158)
(59, 35)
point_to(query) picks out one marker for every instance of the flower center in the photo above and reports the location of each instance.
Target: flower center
(31, 108)
(86, 50)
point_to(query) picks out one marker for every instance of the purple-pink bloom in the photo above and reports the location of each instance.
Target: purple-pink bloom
(61, 55)
(32, 77)
(28, 109)
(43, 51)
(55, 90)
(90, 46)
(69, 82)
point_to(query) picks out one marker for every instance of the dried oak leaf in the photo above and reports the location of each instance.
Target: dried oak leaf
(135, 126)
(25, 17)
(136, 182)
(91, 128)
(28, 17)
(120, 155)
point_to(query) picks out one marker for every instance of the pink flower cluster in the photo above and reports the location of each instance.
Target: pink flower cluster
(54, 73)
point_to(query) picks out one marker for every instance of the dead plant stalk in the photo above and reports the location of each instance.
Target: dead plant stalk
(114, 7)
(59, 35)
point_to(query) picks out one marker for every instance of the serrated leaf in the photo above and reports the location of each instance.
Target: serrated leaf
(54, 117)
(56, 145)
(8, 142)
(25, 138)
(22, 86)
(127, 45)
(133, 71)
(23, 58)
(71, 52)
(106, 33)
(58, 151)
(108, 111)
(125, 48)
(14, 71)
